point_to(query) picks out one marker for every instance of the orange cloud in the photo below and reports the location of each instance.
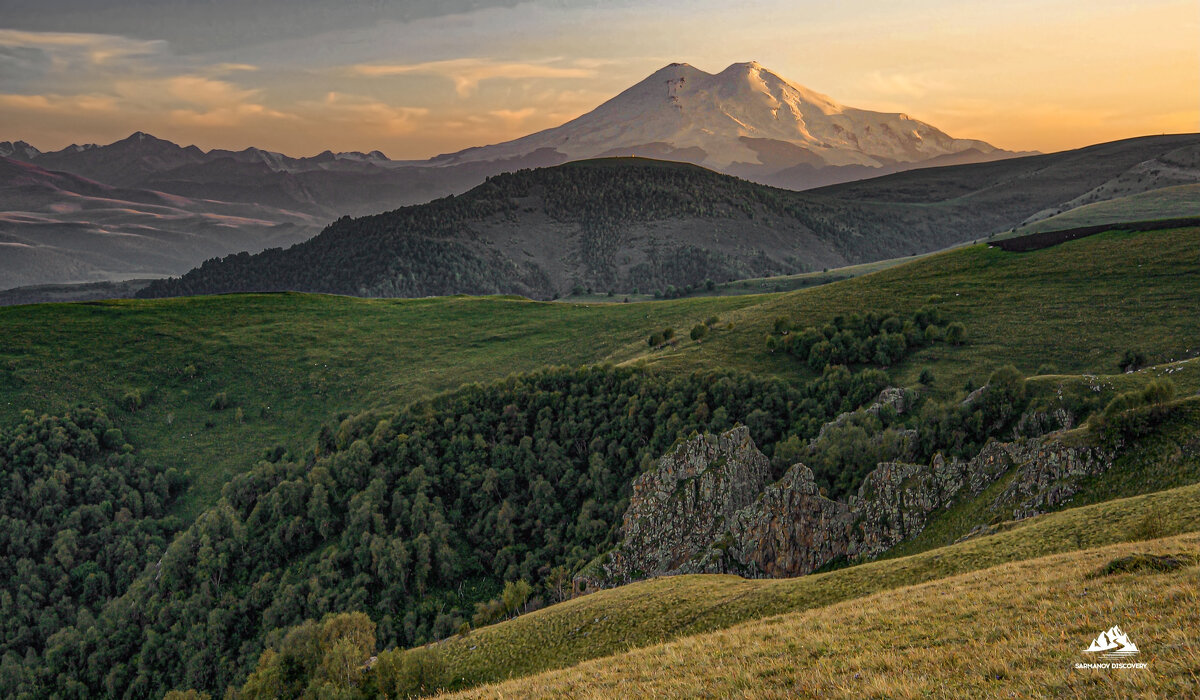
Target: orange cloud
(59, 103)
(204, 91)
(225, 117)
(513, 118)
(365, 113)
(468, 73)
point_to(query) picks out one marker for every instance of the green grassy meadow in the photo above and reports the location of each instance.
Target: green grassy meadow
(288, 362)
(1163, 203)
(1076, 307)
(291, 361)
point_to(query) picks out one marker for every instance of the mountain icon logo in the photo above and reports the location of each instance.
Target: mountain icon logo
(1112, 644)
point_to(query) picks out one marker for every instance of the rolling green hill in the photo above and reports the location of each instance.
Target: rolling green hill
(292, 362)
(613, 224)
(415, 508)
(1072, 308)
(1178, 201)
(1101, 171)
(287, 363)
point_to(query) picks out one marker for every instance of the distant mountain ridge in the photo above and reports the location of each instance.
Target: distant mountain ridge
(745, 121)
(61, 228)
(139, 154)
(18, 150)
(64, 228)
(327, 185)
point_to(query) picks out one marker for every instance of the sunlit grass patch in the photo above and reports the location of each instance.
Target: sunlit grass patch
(643, 614)
(1014, 630)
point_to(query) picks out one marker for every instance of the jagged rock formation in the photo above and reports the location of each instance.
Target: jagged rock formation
(686, 502)
(1050, 475)
(703, 509)
(1043, 422)
(791, 528)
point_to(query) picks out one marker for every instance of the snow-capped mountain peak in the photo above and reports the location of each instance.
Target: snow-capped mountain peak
(18, 150)
(746, 115)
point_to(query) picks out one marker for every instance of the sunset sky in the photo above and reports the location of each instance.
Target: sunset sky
(419, 78)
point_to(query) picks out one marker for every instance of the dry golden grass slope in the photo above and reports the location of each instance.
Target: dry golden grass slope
(647, 613)
(1014, 630)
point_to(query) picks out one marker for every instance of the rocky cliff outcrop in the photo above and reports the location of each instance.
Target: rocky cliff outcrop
(791, 528)
(1050, 474)
(681, 507)
(707, 507)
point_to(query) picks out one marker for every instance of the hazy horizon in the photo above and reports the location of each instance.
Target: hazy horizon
(426, 78)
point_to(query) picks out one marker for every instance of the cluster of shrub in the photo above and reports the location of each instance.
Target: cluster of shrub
(325, 658)
(81, 517)
(660, 338)
(698, 332)
(1134, 414)
(673, 292)
(334, 657)
(870, 338)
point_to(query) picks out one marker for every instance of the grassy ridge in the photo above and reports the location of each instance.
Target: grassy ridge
(641, 614)
(293, 361)
(1076, 306)
(1163, 203)
(1014, 630)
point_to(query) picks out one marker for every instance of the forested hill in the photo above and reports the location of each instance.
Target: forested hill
(614, 224)
(609, 225)
(626, 224)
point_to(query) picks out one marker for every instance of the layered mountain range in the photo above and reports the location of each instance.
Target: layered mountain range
(56, 227)
(744, 121)
(144, 207)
